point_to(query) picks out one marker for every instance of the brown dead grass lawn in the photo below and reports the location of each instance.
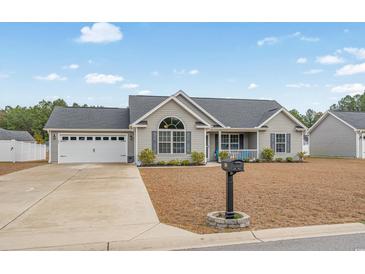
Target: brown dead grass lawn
(6, 168)
(320, 191)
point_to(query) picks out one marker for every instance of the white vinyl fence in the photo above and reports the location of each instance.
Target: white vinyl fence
(16, 151)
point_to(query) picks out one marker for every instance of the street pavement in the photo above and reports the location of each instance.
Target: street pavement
(350, 242)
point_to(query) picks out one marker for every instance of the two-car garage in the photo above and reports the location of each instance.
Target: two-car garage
(89, 135)
(90, 148)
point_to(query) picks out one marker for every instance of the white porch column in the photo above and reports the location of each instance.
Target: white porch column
(205, 146)
(258, 144)
(136, 145)
(357, 134)
(219, 144)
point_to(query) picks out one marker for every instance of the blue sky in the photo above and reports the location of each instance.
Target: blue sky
(301, 65)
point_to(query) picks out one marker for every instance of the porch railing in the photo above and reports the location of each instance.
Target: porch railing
(243, 154)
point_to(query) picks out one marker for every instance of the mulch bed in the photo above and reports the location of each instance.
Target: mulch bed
(320, 191)
(6, 168)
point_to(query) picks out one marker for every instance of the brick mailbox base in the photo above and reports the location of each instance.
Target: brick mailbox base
(217, 219)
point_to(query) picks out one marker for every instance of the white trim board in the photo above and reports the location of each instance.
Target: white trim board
(287, 113)
(88, 129)
(182, 93)
(164, 103)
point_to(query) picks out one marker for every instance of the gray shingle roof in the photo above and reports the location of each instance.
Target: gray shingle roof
(235, 113)
(15, 135)
(239, 113)
(88, 118)
(355, 119)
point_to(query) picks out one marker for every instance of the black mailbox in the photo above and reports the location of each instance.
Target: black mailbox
(232, 165)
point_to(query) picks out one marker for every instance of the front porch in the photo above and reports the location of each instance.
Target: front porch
(239, 145)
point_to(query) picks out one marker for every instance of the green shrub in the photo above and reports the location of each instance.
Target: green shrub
(161, 163)
(301, 155)
(185, 162)
(173, 163)
(246, 160)
(289, 159)
(147, 156)
(223, 155)
(267, 154)
(279, 159)
(258, 160)
(197, 157)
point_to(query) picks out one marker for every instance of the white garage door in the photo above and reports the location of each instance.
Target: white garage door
(92, 149)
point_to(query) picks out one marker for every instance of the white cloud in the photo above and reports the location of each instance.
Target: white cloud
(302, 60)
(351, 69)
(184, 72)
(144, 92)
(357, 52)
(299, 85)
(252, 86)
(302, 37)
(4, 76)
(72, 66)
(271, 40)
(130, 86)
(155, 73)
(100, 33)
(179, 71)
(351, 89)
(268, 41)
(329, 60)
(313, 71)
(194, 72)
(98, 78)
(51, 77)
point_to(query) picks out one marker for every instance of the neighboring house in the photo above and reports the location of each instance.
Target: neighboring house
(173, 127)
(338, 134)
(23, 136)
(19, 146)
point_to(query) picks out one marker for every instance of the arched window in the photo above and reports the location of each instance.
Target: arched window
(171, 123)
(171, 136)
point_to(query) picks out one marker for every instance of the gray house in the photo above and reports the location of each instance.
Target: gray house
(338, 134)
(173, 127)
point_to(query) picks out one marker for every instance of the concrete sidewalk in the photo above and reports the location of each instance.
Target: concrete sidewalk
(163, 237)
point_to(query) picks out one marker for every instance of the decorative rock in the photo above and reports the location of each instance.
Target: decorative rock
(217, 219)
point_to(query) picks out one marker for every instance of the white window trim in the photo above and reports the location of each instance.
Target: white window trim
(229, 141)
(171, 137)
(281, 152)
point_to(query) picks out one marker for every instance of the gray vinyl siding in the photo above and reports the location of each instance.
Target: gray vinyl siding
(171, 109)
(281, 123)
(196, 110)
(332, 138)
(251, 140)
(53, 142)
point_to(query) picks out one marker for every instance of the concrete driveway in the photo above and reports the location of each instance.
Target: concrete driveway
(56, 205)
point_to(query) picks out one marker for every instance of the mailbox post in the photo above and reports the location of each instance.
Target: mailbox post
(231, 167)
